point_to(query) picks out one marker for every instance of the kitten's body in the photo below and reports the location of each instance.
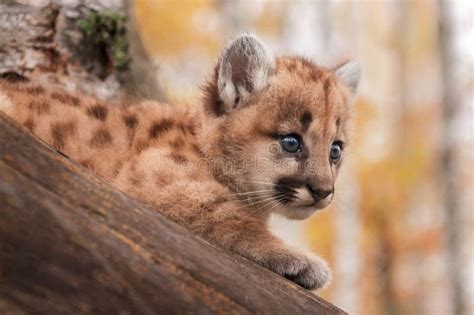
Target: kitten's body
(202, 166)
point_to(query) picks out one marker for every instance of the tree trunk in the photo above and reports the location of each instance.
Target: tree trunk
(142, 80)
(347, 224)
(449, 177)
(80, 45)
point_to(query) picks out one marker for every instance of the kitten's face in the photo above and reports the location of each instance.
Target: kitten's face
(288, 142)
(284, 143)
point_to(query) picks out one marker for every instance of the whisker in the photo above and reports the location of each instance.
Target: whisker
(274, 206)
(251, 196)
(277, 201)
(265, 202)
(252, 192)
(260, 208)
(260, 201)
(278, 198)
(258, 182)
(252, 199)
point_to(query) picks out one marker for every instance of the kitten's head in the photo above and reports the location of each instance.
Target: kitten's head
(277, 127)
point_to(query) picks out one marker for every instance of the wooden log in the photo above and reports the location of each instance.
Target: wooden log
(70, 243)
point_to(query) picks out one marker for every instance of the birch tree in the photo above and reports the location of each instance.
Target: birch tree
(449, 177)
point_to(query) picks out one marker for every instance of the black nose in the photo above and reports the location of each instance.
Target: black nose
(319, 194)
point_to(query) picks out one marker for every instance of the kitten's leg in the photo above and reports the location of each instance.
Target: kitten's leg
(232, 228)
(203, 208)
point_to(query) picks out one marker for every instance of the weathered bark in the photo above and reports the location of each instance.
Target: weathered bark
(48, 41)
(70, 243)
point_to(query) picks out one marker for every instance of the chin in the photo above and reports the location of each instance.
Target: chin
(300, 212)
(297, 213)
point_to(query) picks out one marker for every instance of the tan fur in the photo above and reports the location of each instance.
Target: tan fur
(177, 159)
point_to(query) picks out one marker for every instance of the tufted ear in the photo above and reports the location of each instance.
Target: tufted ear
(349, 74)
(244, 68)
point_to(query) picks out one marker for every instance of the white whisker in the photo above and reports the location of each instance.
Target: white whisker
(260, 201)
(253, 196)
(274, 206)
(260, 208)
(257, 182)
(252, 192)
(277, 201)
(249, 199)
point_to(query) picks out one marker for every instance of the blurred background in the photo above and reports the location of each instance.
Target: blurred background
(399, 237)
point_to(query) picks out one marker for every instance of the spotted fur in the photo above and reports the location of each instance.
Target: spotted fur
(219, 168)
(98, 111)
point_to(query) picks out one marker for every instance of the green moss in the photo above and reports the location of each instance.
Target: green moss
(108, 29)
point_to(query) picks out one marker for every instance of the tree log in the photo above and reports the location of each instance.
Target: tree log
(90, 46)
(70, 243)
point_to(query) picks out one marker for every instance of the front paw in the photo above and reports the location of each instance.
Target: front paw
(309, 271)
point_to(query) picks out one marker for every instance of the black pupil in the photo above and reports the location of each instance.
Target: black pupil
(335, 151)
(290, 144)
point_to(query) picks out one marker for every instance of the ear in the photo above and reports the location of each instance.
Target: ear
(349, 74)
(244, 68)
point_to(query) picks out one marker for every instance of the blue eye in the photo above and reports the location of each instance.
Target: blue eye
(291, 143)
(336, 150)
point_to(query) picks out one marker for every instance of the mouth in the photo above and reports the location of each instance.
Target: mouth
(289, 197)
(300, 210)
(294, 193)
(322, 203)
